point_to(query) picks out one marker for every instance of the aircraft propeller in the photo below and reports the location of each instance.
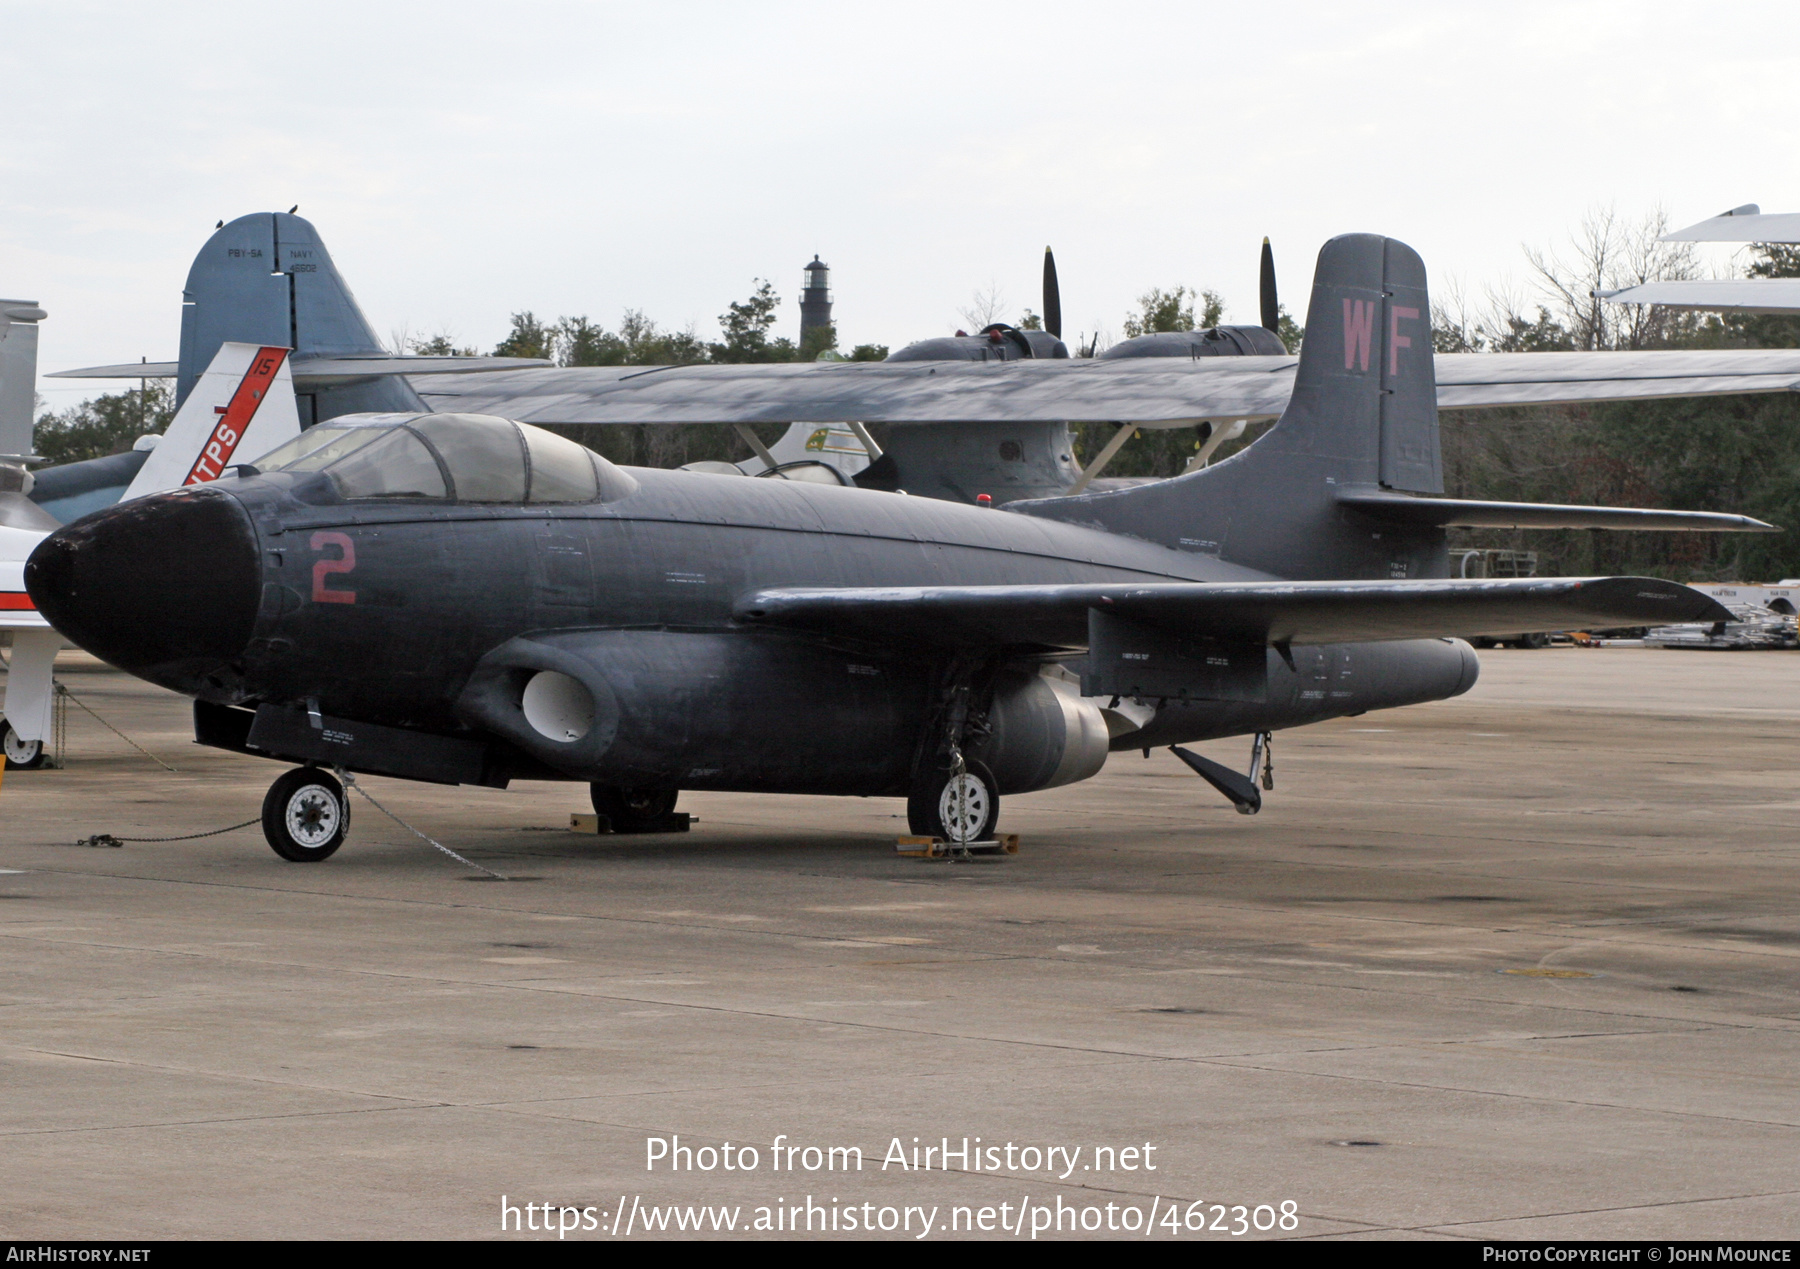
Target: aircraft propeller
(1052, 296)
(1271, 306)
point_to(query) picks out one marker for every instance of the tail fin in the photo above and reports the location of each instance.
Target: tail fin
(239, 410)
(1363, 414)
(1366, 390)
(18, 375)
(267, 279)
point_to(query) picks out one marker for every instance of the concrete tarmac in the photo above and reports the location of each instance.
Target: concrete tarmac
(1518, 965)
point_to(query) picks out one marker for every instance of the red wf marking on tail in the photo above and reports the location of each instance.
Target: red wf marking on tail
(1359, 327)
(234, 419)
(1397, 341)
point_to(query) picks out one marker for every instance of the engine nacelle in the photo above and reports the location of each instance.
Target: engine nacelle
(1214, 341)
(826, 721)
(1043, 733)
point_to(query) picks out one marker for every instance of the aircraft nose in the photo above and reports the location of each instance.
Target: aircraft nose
(164, 587)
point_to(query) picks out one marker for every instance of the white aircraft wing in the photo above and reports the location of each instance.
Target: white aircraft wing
(1747, 225)
(1725, 295)
(1150, 391)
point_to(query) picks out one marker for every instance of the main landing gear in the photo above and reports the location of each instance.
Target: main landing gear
(306, 815)
(21, 755)
(958, 806)
(954, 797)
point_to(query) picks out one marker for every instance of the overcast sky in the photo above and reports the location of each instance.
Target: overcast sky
(464, 160)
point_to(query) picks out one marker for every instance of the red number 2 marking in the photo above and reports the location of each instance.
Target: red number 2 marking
(322, 569)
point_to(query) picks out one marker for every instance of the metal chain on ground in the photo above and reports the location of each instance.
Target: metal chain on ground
(108, 839)
(59, 732)
(350, 783)
(66, 693)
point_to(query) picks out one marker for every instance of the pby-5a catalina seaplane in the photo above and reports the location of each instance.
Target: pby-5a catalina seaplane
(242, 406)
(461, 598)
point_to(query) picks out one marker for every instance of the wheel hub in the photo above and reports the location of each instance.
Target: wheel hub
(963, 808)
(312, 815)
(20, 751)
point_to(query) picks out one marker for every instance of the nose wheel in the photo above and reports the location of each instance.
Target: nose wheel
(958, 807)
(21, 754)
(305, 816)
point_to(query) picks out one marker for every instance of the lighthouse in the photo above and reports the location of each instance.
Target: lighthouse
(816, 334)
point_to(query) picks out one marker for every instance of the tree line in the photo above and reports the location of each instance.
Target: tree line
(1722, 453)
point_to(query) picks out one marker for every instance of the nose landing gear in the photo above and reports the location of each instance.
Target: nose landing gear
(305, 815)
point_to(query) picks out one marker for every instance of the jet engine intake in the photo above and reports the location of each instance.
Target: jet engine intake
(557, 706)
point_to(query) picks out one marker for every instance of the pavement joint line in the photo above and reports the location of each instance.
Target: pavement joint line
(1601, 1211)
(223, 1119)
(1376, 918)
(1503, 1094)
(543, 984)
(1223, 1062)
(167, 1068)
(1102, 1061)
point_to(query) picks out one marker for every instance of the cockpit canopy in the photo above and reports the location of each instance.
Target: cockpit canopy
(458, 457)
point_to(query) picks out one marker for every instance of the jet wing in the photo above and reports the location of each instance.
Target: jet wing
(1270, 612)
(1153, 391)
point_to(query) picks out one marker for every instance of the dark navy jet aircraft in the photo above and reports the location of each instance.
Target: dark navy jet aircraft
(461, 598)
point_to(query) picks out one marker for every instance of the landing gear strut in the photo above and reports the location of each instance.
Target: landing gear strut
(21, 755)
(305, 815)
(954, 797)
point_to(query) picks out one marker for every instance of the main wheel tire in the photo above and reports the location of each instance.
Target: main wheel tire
(960, 810)
(21, 755)
(305, 816)
(633, 810)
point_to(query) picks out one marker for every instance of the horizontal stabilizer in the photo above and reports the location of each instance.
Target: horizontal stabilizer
(123, 370)
(1464, 513)
(325, 368)
(1269, 612)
